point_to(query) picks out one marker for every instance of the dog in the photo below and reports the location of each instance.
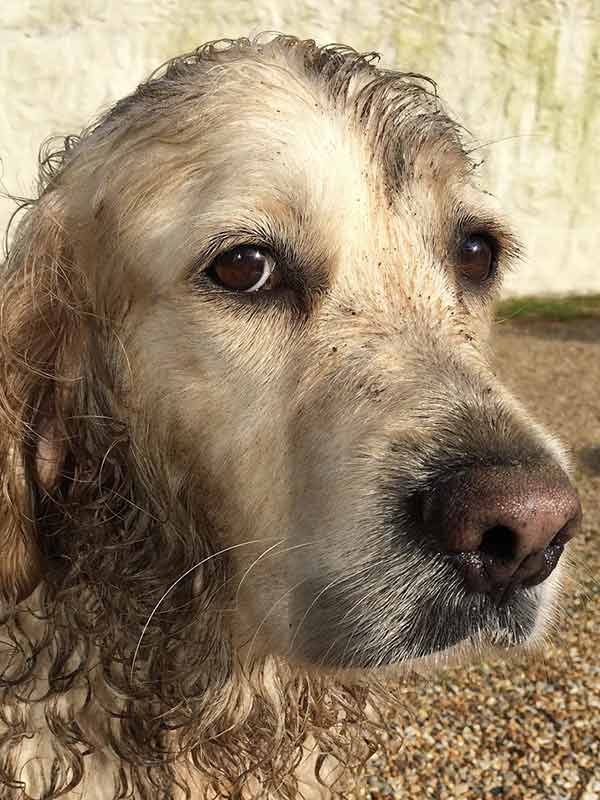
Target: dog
(255, 462)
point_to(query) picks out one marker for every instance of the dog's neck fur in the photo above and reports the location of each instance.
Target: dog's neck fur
(268, 726)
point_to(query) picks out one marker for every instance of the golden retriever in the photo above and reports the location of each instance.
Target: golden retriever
(254, 459)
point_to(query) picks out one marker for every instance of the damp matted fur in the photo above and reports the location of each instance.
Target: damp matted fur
(135, 471)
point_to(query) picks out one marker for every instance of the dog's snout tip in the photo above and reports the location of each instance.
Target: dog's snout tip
(503, 528)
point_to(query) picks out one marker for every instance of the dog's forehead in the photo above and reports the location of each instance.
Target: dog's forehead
(282, 124)
(292, 142)
(316, 172)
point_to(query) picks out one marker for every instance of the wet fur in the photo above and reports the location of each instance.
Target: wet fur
(131, 484)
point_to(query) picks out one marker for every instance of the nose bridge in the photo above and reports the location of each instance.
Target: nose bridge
(466, 416)
(386, 259)
(411, 361)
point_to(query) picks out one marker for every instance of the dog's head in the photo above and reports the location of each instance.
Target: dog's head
(254, 299)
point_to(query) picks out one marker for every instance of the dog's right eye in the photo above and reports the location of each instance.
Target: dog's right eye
(245, 269)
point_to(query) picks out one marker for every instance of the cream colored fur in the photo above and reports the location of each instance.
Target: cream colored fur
(200, 484)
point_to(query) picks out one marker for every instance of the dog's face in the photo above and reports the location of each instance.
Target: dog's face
(304, 290)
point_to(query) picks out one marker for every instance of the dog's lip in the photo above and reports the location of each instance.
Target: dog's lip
(477, 622)
(505, 640)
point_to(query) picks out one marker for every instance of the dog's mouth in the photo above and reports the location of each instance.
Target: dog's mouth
(476, 626)
(388, 630)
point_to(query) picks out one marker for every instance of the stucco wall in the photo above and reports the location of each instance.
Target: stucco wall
(524, 76)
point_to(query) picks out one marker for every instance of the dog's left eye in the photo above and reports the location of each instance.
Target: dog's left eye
(477, 258)
(245, 269)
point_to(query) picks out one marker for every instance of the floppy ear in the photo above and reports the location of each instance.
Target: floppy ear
(38, 324)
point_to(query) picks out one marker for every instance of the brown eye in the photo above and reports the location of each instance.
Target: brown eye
(245, 269)
(476, 258)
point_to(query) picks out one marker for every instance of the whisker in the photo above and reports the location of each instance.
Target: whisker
(266, 552)
(267, 615)
(176, 583)
(251, 567)
(329, 586)
(490, 142)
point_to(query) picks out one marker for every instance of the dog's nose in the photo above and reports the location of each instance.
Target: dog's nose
(503, 527)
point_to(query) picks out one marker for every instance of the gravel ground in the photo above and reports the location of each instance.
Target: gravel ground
(521, 730)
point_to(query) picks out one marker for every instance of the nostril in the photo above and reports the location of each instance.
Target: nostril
(499, 543)
(564, 535)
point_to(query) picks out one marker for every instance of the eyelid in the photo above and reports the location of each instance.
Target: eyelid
(223, 244)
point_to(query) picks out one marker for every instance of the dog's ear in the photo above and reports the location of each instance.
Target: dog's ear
(38, 326)
(21, 562)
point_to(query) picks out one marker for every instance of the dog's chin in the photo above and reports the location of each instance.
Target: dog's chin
(435, 636)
